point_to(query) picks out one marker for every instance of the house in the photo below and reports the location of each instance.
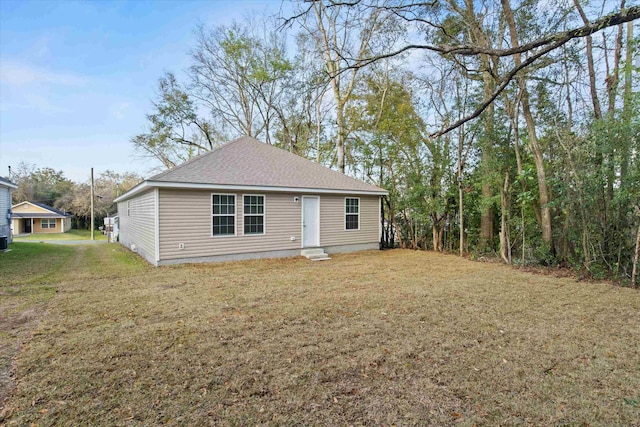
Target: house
(6, 187)
(30, 217)
(248, 199)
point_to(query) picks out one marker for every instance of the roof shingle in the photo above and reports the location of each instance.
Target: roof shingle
(248, 162)
(55, 212)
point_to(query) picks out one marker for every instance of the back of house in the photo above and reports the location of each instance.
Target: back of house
(248, 199)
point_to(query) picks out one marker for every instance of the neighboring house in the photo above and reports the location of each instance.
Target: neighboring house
(29, 217)
(248, 199)
(6, 187)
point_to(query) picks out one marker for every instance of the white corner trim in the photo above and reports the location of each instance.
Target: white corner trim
(380, 218)
(157, 223)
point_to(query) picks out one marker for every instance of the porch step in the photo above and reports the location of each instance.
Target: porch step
(316, 254)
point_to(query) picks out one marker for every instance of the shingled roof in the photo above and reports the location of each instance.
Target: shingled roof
(246, 162)
(55, 213)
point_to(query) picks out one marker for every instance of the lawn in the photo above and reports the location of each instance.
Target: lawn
(27, 275)
(69, 235)
(374, 338)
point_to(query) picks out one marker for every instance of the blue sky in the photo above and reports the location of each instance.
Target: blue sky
(78, 77)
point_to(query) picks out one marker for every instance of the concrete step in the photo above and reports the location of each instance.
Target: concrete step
(312, 252)
(315, 254)
(319, 258)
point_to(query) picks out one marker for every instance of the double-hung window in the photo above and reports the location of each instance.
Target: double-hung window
(253, 214)
(223, 214)
(48, 223)
(352, 213)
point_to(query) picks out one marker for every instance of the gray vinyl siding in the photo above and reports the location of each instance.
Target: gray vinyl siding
(138, 226)
(186, 217)
(5, 206)
(332, 221)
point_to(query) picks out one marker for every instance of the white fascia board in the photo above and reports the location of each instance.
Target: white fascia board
(192, 186)
(135, 190)
(11, 186)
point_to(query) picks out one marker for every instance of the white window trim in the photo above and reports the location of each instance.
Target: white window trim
(345, 214)
(128, 207)
(235, 216)
(48, 227)
(264, 215)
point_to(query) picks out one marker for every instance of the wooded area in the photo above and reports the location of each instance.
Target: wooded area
(504, 128)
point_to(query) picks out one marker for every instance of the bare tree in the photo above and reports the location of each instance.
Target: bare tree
(338, 32)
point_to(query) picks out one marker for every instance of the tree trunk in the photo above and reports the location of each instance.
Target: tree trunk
(435, 234)
(634, 273)
(536, 151)
(487, 214)
(597, 112)
(340, 137)
(505, 241)
(460, 213)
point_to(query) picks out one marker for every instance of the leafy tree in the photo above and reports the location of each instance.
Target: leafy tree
(176, 132)
(39, 185)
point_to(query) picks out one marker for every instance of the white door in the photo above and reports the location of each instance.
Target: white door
(310, 221)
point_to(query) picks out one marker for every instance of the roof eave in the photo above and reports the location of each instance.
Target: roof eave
(38, 215)
(6, 184)
(200, 186)
(61, 215)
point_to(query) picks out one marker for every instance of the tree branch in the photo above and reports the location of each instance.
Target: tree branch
(558, 39)
(505, 82)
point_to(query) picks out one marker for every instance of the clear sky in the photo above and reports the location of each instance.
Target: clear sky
(78, 77)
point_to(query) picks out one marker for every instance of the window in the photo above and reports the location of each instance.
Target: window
(352, 213)
(128, 208)
(253, 214)
(48, 223)
(224, 215)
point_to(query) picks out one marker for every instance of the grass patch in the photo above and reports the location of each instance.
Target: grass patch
(375, 338)
(31, 264)
(29, 274)
(72, 234)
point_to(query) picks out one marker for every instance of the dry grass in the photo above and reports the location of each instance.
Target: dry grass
(375, 338)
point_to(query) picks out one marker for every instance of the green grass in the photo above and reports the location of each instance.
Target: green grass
(70, 235)
(26, 264)
(29, 275)
(374, 338)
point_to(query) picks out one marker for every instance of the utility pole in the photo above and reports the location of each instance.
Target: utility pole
(92, 215)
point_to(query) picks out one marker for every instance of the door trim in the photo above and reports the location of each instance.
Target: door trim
(317, 221)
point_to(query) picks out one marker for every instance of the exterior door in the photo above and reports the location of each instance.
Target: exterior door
(27, 225)
(310, 221)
